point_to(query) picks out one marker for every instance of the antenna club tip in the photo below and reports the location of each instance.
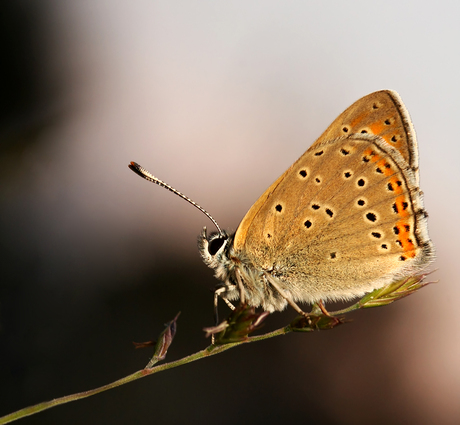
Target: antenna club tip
(133, 166)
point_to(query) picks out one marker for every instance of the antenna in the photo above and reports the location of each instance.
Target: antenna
(141, 171)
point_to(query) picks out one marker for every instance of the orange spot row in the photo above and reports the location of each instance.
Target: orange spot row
(377, 128)
(373, 156)
(404, 238)
(397, 186)
(402, 206)
(383, 166)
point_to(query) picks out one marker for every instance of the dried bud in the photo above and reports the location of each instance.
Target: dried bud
(164, 341)
(241, 322)
(314, 322)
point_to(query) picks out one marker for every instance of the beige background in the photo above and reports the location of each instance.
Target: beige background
(217, 99)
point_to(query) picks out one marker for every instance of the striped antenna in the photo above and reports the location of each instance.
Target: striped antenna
(141, 171)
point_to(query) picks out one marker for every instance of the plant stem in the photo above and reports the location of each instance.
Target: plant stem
(208, 351)
(376, 298)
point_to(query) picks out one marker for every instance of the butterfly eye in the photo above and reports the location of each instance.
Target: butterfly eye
(215, 245)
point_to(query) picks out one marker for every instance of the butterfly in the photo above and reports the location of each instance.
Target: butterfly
(346, 218)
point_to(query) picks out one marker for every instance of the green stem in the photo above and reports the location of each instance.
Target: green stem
(353, 307)
(378, 297)
(208, 351)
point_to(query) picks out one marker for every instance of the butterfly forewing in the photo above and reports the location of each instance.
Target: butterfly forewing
(383, 114)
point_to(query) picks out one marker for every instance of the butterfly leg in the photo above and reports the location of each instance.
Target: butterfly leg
(286, 296)
(323, 308)
(240, 286)
(229, 304)
(218, 294)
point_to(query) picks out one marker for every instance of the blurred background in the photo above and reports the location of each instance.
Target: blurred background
(218, 99)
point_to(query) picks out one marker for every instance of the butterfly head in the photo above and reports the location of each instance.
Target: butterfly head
(214, 250)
